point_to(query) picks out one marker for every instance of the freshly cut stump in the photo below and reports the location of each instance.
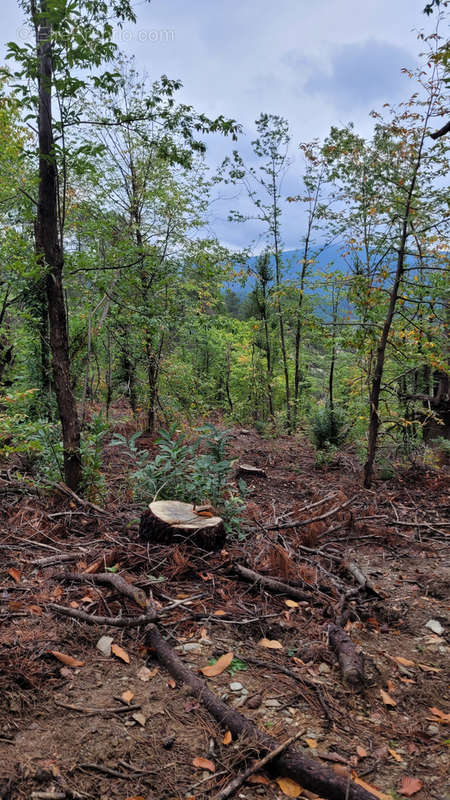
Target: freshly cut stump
(166, 521)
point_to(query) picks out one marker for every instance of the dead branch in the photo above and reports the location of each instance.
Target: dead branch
(360, 577)
(273, 584)
(302, 522)
(234, 785)
(94, 619)
(350, 661)
(110, 579)
(292, 763)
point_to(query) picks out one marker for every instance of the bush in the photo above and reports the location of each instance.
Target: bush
(193, 472)
(329, 428)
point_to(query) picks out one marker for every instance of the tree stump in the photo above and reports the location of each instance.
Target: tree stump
(166, 521)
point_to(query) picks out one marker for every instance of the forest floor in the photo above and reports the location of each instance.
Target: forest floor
(110, 729)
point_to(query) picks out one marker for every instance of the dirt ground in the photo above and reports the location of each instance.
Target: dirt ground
(108, 729)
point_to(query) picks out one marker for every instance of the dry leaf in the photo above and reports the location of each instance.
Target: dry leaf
(390, 686)
(339, 769)
(136, 797)
(272, 644)
(362, 752)
(405, 662)
(204, 763)
(127, 696)
(119, 652)
(138, 717)
(212, 670)
(219, 613)
(144, 673)
(369, 788)
(65, 659)
(410, 786)
(259, 778)
(312, 743)
(387, 699)
(443, 718)
(289, 788)
(227, 739)
(394, 754)
(426, 668)
(291, 603)
(35, 610)
(171, 684)
(15, 574)
(74, 604)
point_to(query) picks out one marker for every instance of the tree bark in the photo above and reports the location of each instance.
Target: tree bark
(50, 255)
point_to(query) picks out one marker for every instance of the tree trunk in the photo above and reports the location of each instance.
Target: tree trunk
(50, 255)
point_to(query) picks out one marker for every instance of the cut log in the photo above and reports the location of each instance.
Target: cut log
(166, 521)
(350, 661)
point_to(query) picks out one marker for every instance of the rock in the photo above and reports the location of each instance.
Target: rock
(272, 704)
(191, 647)
(238, 702)
(255, 701)
(433, 730)
(324, 669)
(104, 645)
(236, 686)
(435, 626)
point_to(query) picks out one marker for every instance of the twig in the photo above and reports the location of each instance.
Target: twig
(302, 522)
(92, 711)
(94, 619)
(232, 787)
(271, 583)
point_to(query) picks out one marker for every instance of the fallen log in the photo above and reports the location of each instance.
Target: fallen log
(273, 584)
(167, 520)
(350, 661)
(291, 763)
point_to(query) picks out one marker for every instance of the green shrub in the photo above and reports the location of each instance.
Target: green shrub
(329, 427)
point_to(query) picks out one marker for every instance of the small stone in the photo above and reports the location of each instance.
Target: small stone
(236, 686)
(238, 702)
(433, 730)
(272, 704)
(191, 647)
(104, 645)
(435, 626)
(324, 669)
(244, 690)
(255, 701)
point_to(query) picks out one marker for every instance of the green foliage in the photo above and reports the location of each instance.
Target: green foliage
(329, 427)
(194, 471)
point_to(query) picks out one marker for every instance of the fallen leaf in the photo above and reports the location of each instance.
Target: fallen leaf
(65, 659)
(289, 788)
(312, 743)
(362, 752)
(444, 718)
(387, 699)
(272, 644)
(227, 739)
(390, 686)
(119, 652)
(204, 763)
(405, 662)
(136, 797)
(138, 717)
(171, 684)
(410, 786)
(212, 670)
(127, 696)
(74, 604)
(144, 673)
(35, 610)
(291, 604)
(369, 788)
(259, 779)
(394, 754)
(15, 574)
(339, 769)
(219, 613)
(86, 599)
(426, 668)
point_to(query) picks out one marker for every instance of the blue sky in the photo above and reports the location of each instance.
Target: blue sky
(316, 63)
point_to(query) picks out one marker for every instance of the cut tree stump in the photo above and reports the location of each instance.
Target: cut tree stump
(166, 521)
(249, 471)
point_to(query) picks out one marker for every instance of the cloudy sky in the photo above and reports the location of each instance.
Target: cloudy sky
(316, 63)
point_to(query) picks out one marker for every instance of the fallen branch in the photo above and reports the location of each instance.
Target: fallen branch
(350, 661)
(94, 619)
(86, 503)
(273, 584)
(291, 763)
(302, 522)
(235, 784)
(110, 579)
(360, 577)
(94, 711)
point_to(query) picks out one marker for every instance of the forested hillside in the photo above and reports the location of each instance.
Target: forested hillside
(292, 391)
